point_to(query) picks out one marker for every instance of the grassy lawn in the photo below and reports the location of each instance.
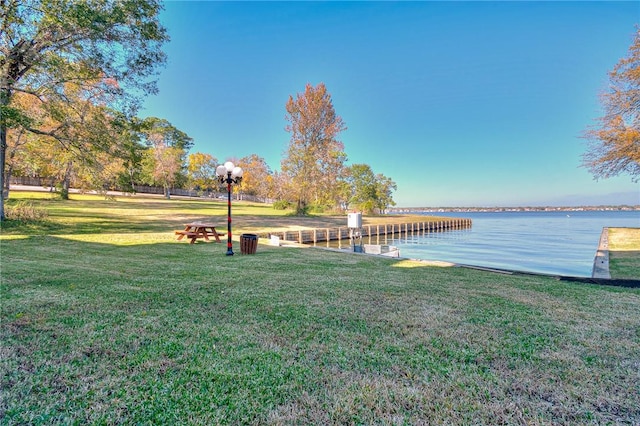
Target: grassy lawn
(624, 252)
(101, 324)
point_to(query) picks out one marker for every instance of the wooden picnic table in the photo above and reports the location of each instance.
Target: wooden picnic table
(193, 231)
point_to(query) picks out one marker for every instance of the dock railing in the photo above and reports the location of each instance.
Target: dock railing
(380, 231)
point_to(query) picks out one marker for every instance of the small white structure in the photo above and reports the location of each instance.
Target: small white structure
(354, 220)
(354, 223)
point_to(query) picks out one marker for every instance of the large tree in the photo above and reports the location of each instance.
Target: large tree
(201, 171)
(255, 180)
(162, 165)
(107, 47)
(384, 194)
(82, 128)
(369, 192)
(17, 142)
(131, 150)
(315, 156)
(164, 161)
(614, 143)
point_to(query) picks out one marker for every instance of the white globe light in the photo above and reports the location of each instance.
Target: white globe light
(229, 166)
(221, 170)
(237, 172)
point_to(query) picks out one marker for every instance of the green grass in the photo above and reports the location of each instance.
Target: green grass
(624, 253)
(121, 327)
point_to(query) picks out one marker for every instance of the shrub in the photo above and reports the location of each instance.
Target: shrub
(282, 205)
(316, 209)
(25, 211)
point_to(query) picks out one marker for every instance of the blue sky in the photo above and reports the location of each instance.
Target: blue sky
(460, 103)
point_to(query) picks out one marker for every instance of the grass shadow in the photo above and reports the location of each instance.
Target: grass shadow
(624, 264)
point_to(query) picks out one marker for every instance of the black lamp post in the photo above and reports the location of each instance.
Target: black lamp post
(228, 173)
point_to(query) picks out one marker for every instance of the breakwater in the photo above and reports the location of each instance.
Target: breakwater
(385, 230)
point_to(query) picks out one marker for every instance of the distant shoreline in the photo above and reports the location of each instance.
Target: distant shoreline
(509, 209)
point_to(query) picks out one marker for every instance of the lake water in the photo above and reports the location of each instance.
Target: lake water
(558, 243)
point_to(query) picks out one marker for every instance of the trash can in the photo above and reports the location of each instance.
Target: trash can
(248, 243)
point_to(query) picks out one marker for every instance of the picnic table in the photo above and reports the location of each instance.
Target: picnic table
(193, 231)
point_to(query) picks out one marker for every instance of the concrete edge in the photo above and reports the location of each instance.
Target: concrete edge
(628, 283)
(601, 260)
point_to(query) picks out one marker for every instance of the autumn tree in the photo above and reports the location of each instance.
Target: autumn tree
(369, 192)
(277, 186)
(255, 180)
(44, 145)
(17, 144)
(315, 155)
(165, 158)
(162, 165)
(15, 148)
(614, 143)
(132, 148)
(81, 126)
(38, 157)
(201, 170)
(102, 174)
(107, 46)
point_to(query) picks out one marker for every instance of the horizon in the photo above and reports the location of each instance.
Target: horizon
(631, 207)
(460, 103)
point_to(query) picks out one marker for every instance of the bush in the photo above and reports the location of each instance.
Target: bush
(25, 211)
(282, 205)
(316, 209)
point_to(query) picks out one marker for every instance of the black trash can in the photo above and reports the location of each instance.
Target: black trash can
(248, 243)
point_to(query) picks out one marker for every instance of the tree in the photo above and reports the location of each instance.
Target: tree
(40, 152)
(614, 144)
(256, 173)
(384, 192)
(131, 151)
(107, 46)
(171, 136)
(201, 170)
(315, 155)
(101, 175)
(83, 127)
(16, 145)
(39, 158)
(363, 187)
(278, 187)
(163, 164)
(165, 159)
(369, 192)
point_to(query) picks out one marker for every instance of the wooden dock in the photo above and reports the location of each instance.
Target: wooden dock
(390, 230)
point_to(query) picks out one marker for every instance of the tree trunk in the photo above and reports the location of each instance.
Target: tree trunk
(7, 180)
(132, 182)
(3, 153)
(301, 208)
(167, 193)
(4, 101)
(64, 194)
